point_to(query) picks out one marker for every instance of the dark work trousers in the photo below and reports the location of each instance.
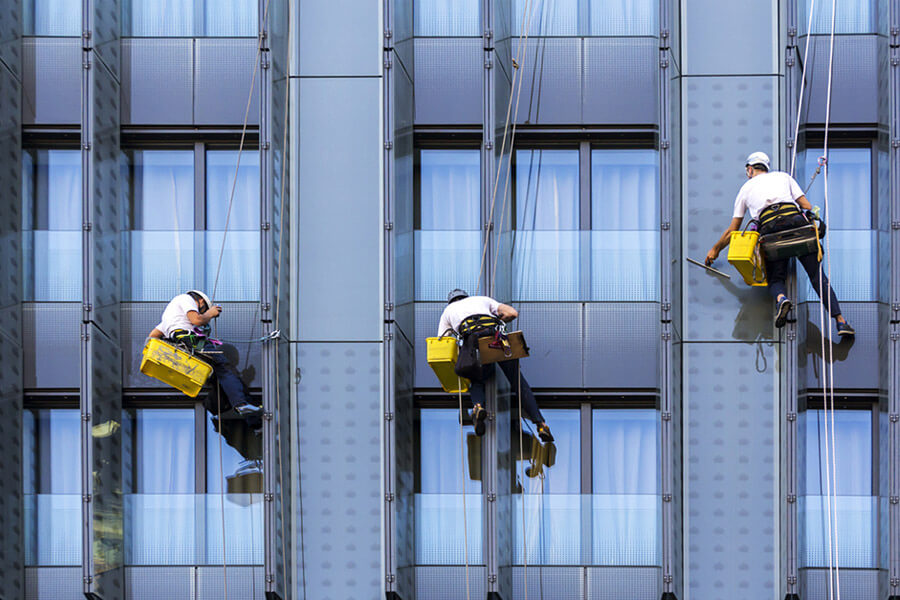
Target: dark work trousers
(233, 391)
(511, 370)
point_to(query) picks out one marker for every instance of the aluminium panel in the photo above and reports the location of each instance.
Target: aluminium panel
(51, 338)
(612, 583)
(404, 467)
(340, 231)
(716, 309)
(713, 49)
(149, 583)
(731, 470)
(560, 583)
(105, 27)
(51, 79)
(340, 38)
(448, 76)
(242, 582)
(157, 81)
(621, 345)
(856, 584)
(53, 583)
(449, 583)
(620, 81)
(550, 77)
(403, 277)
(855, 85)
(223, 69)
(555, 333)
(341, 419)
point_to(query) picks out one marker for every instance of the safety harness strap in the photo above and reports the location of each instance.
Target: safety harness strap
(477, 323)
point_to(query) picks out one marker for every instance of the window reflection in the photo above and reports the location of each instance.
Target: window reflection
(448, 236)
(52, 225)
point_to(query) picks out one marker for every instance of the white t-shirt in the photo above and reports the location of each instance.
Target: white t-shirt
(458, 311)
(175, 315)
(763, 190)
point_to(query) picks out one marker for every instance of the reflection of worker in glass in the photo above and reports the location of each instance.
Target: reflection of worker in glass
(461, 316)
(185, 321)
(774, 199)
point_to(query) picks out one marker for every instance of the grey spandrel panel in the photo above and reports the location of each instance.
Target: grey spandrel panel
(427, 315)
(855, 584)
(621, 77)
(404, 236)
(856, 362)
(242, 582)
(51, 338)
(621, 345)
(404, 467)
(53, 583)
(449, 583)
(157, 81)
(731, 470)
(402, 24)
(551, 80)
(148, 583)
(341, 418)
(105, 27)
(223, 69)
(448, 74)
(678, 444)
(612, 583)
(10, 36)
(717, 144)
(51, 79)
(333, 43)
(555, 334)
(854, 89)
(561, 583)
(405, 52)
(340, 234)
(712, 47)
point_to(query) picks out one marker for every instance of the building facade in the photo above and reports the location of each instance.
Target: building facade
(328, 171)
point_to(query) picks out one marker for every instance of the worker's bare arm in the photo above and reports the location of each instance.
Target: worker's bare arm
(507, 313)
(199, 320)
(720, 245)
(156, 333)
(803, 203)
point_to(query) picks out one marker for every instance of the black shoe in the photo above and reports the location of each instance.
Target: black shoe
(845, 329)
(781, 313)
(478, 417)
(544, 433)
(248, 410)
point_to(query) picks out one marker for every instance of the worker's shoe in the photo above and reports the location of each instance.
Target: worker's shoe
(543, 432)
(478, 417)
(845, 329)
(252, 466)
(248, 410)
(781, 312)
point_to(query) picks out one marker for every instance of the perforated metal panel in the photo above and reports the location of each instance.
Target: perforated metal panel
(562, 583)
(611, 583)
(551, 71)
(242, 582)
(222, 72)
(51, 339)
(448, 77)
(856, 360)
(555, 333)
(148, 583)
(404, 467)
(856, 584)
(855, 91)
(53, 583)
(620, 80)
(621, 345)
(158, 81)
(449, 583)
(52, 80)
(427, 315)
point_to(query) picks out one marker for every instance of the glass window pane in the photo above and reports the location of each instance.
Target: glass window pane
(164, 451)
(230, 18)
(625, 487)
(623, 17)
(625, 224)
(52, 17)
(195, 18)
(449, 462)
(447, 17)
(850, 17)
(52, 198)
(52, 487)
(448, 242)
(547, 17)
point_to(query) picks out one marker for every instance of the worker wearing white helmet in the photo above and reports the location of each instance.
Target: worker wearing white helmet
(775, 199)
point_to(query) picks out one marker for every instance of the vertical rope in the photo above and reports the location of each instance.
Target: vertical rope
(222, 492)
(462, 465)
(802, 85)
(522, 463)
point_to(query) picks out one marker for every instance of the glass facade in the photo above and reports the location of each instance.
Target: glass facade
(194, 18)
(586, 17)
(858, 17)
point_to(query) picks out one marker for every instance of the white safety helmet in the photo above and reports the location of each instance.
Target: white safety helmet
(202, 295)
(758, 158)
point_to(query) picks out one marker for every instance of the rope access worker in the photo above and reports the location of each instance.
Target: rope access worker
(768, 196)
(472, 317)
(186, 321)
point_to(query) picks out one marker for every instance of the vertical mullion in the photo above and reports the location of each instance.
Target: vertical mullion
(200, 234)
(587, 481)
(584, 221)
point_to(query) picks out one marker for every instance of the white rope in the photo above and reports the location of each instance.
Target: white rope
(812, 8)
(462, 466)
(524, 494)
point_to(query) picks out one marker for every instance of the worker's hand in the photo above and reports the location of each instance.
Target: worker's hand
(711, 256)
(213, 311)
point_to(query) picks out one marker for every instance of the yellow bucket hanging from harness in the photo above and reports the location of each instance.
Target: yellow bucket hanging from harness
(442, 353)
(175, 367)
(743, 253)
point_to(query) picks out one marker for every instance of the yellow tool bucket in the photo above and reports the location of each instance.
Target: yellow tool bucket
(174, 366)
(442, 353)
(744, 254)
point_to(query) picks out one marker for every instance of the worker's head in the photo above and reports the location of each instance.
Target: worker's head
(455, 295)
(756, 163)
(203, 301)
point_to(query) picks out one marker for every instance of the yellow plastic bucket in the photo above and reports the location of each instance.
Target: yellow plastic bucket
(744, 254)
(173, 366)
(442, 353)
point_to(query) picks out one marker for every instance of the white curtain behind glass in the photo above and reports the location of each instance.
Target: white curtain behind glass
(623, 17)
(553, 501)
(850, 235)
(447, 17)
(448, 242)
(856, 510)
(54, 17)
(231, 18)
(547, 255)
(439, 503)
(548, 17)
(239, 276)
(161, 18)
(625, 224)
(851, 16)
(625, 487)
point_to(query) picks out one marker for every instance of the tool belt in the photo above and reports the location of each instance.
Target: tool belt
(479, 324)
(780, 216)
(196, 339)
(785, 232)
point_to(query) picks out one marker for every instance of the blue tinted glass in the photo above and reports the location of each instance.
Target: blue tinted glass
(849, 17)
(546, 17)
(196, 18)
(52, 487)
(852, 452)
(623, 17)
(52, 252)
(52, 17)
(448, 242)
(447, 17)
(240, 449)
(586, 17)
(164, 451)
(231, 18)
